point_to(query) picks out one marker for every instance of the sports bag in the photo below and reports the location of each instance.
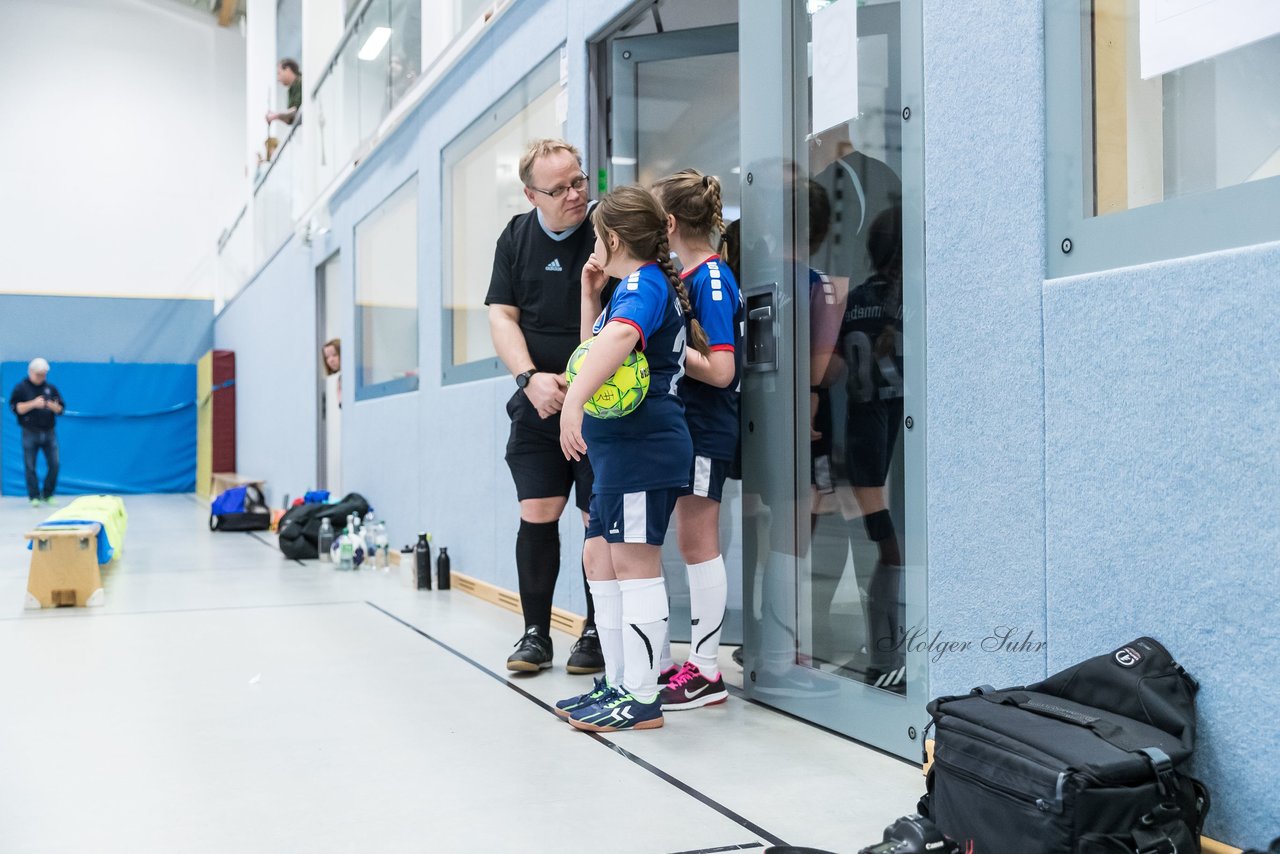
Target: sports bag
(299, 528)
(241, 508)
(1087, 761)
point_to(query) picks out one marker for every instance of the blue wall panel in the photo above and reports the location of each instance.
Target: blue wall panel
(984, 197)
(104, 329)
(127, 429)
(1162, 396)
(270, 326)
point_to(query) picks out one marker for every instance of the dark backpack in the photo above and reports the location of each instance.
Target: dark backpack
(241, 508)
(1087, 761)
(299, 528)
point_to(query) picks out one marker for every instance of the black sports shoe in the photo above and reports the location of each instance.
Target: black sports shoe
(585, 655)
(533, 652)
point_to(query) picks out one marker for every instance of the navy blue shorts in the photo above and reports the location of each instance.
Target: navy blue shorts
(633, 517)
(708, 477)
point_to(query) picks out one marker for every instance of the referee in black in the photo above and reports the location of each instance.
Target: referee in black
(534, 307)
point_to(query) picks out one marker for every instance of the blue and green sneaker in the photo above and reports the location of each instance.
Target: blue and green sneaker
(618, 710)
(564, 707)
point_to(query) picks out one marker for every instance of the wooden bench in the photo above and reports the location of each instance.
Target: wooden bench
(64, 567)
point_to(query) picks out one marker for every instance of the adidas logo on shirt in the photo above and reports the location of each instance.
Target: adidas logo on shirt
(555, 267)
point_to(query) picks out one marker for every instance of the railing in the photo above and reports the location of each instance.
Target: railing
(381, 58)
(277, 198)
(377, 61)
(235, 261)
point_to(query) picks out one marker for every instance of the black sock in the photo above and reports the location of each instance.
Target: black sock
(591, 605)
(537, 566)
(879, 527)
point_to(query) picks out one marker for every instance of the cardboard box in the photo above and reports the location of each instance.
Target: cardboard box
(64, 567)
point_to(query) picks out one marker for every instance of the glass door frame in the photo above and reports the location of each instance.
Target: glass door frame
(774, 115)
(627, 55)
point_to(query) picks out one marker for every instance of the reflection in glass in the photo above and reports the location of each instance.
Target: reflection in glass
(850, 596)
(482, 171)
(1193, 130)
(386, 265)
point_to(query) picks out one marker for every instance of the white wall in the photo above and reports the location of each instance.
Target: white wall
(120, 140)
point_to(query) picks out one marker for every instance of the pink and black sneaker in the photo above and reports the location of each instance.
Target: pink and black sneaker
(689, 689)
(664, 676)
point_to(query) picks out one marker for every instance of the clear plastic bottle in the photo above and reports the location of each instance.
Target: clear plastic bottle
(325, 542)
(346, 552)
(380, 544)
(368, 529)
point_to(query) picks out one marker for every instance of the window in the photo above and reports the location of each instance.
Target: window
(386, 263)
(1160, 145)
(482, 192)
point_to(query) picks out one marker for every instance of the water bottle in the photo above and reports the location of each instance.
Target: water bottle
(380, 545)
(325, 542)
(346, 552)
(422, 562)
(368, 528)
(442, 569)
(407, 574)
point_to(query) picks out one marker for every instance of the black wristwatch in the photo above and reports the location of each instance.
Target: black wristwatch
(522, 380)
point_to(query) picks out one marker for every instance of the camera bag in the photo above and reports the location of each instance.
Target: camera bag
(1087, 761)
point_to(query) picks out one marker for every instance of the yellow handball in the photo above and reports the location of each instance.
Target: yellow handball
(621, 393)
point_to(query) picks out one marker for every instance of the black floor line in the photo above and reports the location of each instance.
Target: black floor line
(746, 846)
(621, 751)
(735, 691)
(271, 545)
(91, 613)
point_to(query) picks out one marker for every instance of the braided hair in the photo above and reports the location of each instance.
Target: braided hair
(634, 215)
(696, 202)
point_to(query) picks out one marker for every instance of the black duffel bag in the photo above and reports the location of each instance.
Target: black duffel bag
(299, 528)
(1087, 761)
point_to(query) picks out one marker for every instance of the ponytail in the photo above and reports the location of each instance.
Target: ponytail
(697, 335)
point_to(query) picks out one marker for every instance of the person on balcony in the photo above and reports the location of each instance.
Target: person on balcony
(288, 75)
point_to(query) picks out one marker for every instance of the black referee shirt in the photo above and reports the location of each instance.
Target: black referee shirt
(36, 419)
(543, 278)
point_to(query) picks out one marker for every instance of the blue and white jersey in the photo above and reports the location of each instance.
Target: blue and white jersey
(648, 448)
(712, 412)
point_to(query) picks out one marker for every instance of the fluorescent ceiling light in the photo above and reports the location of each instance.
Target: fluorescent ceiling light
(375, 43)
(623, 161)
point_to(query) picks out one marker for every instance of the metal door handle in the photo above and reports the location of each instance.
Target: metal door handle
(764, 312)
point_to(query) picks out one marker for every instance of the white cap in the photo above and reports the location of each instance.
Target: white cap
(39, 366)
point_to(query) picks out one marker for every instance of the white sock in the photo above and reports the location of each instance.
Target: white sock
(708, 593)
(608, 601)
(665, 661)
(644, 614)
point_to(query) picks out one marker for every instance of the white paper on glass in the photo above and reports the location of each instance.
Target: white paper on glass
(835, 64)
(1173, 34)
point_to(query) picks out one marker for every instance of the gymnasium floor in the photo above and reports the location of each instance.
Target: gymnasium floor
(225, 699)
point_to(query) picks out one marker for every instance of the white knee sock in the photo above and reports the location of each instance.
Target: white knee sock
(644, 614)
(665, 661)
(608, 601)
(708, 592)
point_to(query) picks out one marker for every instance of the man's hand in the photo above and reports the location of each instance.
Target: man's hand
(55, 406)
(39, 403)
(546, 392)
(271, 117)
(593, 276)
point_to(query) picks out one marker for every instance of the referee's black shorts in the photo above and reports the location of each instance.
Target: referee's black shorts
(537, 464)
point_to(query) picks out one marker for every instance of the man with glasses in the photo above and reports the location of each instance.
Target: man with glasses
(534, 308)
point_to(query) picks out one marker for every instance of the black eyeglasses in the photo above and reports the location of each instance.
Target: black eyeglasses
(579, 184)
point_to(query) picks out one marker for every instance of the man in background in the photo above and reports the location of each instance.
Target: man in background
(288, 75)
(37, 404)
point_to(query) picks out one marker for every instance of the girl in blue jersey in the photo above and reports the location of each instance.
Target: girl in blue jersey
(710, 394)
(641, 460)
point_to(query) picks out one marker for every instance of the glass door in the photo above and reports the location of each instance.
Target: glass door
(833, 421)
(663, 85)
